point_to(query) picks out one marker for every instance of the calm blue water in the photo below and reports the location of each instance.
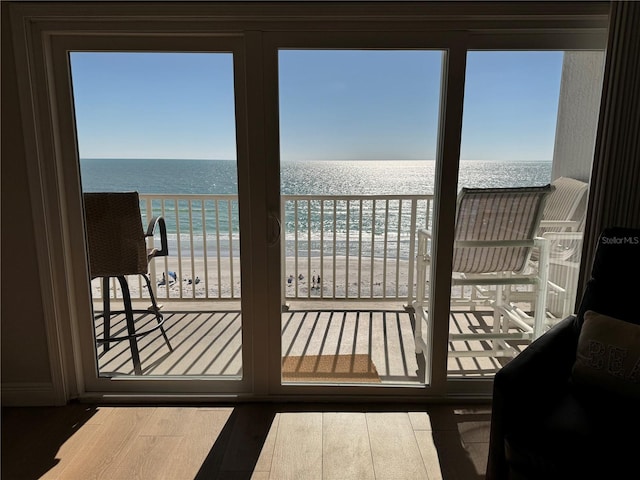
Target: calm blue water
(303, 178)
(300, 178)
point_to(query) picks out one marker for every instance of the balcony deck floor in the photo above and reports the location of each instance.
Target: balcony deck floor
(208, 343)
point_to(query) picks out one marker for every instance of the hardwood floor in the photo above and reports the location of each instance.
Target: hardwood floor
(246, 441)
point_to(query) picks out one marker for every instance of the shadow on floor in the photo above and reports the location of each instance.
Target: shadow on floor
(32, 437)
(460, 435)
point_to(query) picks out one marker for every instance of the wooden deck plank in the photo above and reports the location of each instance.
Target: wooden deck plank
(209, 343)
(394, 447)
(242, 453)
(266, 454)
(298, 449)
(346, 453)
(193, 453)
(429, 454)
(145, 456)
(99, 460)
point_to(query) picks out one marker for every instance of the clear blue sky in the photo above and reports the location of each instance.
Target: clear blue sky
(333, 105)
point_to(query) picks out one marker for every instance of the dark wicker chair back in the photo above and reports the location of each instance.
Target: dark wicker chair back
(115, 236)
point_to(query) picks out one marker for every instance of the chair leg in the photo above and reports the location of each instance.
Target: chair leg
(131, 329)
(156, 311)
(106, 308)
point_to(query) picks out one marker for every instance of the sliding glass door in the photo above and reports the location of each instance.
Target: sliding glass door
(529, 120)
(309, 180)
(169, 125)
(358, 142)
(163, 125)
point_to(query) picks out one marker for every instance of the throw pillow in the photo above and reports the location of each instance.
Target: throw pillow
(608, 355)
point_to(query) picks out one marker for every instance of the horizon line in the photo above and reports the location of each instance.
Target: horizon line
(317, 160)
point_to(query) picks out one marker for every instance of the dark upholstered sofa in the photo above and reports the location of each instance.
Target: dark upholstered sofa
(568, 406)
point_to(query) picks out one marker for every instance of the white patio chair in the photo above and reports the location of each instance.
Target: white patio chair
(565, 206)
(495, 235)
(562, 226)
(564, 212)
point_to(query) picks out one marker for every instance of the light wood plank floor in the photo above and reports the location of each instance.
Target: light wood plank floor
(208, 343)
(246, 441)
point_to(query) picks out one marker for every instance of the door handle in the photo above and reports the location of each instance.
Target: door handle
(274, 229)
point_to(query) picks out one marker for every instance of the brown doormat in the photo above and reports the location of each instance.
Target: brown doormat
(330, 368)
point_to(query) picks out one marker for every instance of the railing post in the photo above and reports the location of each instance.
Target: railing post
(412, 251)
(283, 254)
(152, 265)
(418, 305)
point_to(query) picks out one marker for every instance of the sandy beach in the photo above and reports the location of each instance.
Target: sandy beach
(196, 278)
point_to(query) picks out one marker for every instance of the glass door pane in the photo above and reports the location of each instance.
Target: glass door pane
(358, 139)
(529, 121)
(163, 125)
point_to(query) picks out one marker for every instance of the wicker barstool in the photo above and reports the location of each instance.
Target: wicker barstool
(118, 248)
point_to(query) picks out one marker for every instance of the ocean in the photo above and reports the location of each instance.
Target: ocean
(315, 222)
(407, 177)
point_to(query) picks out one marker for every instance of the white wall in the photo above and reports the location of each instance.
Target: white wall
(580, 92)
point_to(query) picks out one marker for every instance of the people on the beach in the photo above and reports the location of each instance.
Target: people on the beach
(173, 277)
(315, 281)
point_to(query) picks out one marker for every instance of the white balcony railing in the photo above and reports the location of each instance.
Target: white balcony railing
(333, 247)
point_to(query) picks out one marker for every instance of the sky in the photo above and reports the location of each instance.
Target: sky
(333, 105)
